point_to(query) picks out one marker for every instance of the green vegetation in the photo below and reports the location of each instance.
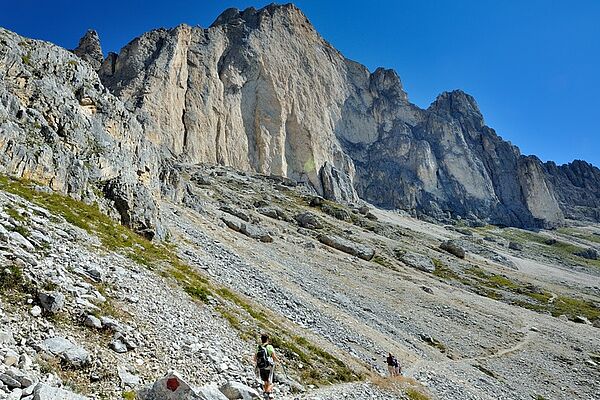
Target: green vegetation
(320, 367)
(414, 394)
(590, 237)
(14, 214)
(129, 395)
(549, 247)
(112, 235)
(500, 287)
(383, 261)
(21, 230)
(26, 58)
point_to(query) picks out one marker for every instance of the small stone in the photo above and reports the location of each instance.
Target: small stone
(92, 322)
(35, 311)
(11, 358)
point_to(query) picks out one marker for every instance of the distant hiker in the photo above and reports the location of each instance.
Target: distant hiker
(396, 366)
(265, 362)
(392, 364)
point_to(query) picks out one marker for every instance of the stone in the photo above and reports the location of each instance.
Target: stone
(92, 322)
(347, 246)
(44, 392)
(308, 220)
(589, 253)
(9, 381)
(235, 212)
(415, 260)
(51, 302)
(74, 355)
(6, 337)
(117, 344)
(11, 358)
(235, 390)
(581, 320)
(21, 241)
(210, 392)
(515, 246)
(15, 394)
(35, 311)
(453, 248)
(256, 232)
(172, 387)
(127, 378)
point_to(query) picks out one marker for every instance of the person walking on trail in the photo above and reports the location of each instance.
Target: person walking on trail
(392, 364)
(265, 359)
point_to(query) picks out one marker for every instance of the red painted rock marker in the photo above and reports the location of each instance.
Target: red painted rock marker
(172, 384)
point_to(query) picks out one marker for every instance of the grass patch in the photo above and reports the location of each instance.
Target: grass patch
(384, 262)
(129, 395)
(550, 248)
(414, 394)
(21, 230)
(320, 367)
(14, 214)
(26, 58)
(499, 287)
(112, 235)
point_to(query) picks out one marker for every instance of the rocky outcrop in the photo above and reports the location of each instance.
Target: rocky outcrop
(348, 246)
(577, 188)
(89, 49)
(61, 128)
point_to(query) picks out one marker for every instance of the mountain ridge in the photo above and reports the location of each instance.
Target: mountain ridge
(262, 91)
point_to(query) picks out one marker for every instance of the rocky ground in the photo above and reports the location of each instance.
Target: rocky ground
(89, 307)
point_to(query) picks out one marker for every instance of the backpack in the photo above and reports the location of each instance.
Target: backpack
(263, 360)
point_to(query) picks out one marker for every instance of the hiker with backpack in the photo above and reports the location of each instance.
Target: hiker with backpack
(265, 362)
(393, 365)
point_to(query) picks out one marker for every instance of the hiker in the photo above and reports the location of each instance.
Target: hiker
(391, 364)
(265, 359)
(396, 367)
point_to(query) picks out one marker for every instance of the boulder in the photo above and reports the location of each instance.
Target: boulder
(173, 387)
(235, 390)
(72, 354)
(347, 246)
(453, 248)
(250, 230)
(308, 220)
(51, 302)
(272, 212)
(415, 260)
(45, 392)
(590, 254)
(515, 246)
(256, 232)
(235, 212)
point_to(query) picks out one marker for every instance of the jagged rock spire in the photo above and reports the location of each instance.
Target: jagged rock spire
(89, 49)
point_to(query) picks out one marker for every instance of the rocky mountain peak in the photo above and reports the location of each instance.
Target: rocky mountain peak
(252, 17)
(456, 103)
(89, 49)
(387, 83)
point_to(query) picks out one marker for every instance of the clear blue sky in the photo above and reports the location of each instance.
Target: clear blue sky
(532, 65)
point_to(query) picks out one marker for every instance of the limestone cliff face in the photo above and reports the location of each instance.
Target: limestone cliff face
(260, 90)
(60, 127)
(577, 188)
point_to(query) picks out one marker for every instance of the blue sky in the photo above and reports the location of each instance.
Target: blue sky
(532, 65)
